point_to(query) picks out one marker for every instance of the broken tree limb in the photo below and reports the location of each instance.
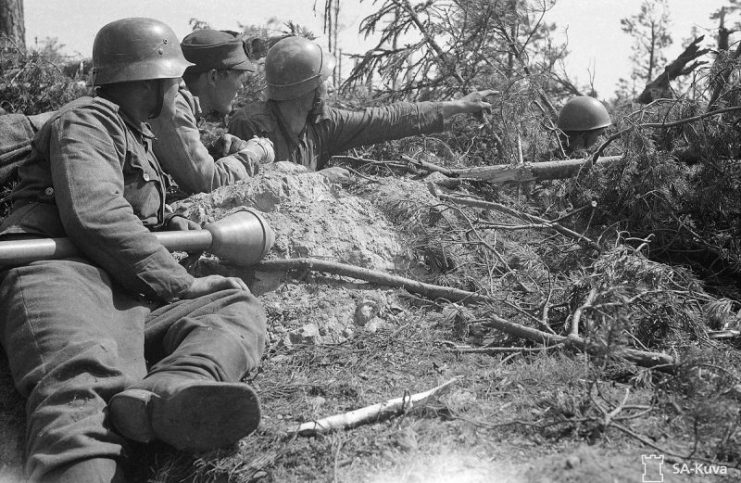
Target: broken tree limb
(648, 359)
(521, 173)
(414, 286)
(490, 205)
(643, 358)
(370, 414)
(660, 88)
(356, 161)
(517, 173)
(460, 349)
(429, 166)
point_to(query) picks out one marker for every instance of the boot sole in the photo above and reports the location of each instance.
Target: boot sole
(199, 417)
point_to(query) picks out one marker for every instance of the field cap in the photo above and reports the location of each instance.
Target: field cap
(214, 49)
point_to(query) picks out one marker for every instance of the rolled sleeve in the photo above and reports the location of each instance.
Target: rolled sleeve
(88, 150)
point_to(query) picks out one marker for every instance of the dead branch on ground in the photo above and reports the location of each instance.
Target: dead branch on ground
(374, 276)
(490, 205)
(576, 317)
(357, 162)
(461, 349)
(653, 360)
(643, 358)
(370, 414)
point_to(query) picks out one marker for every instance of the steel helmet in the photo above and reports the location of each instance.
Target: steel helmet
(295, 66)
(134, 49)
(583, 113)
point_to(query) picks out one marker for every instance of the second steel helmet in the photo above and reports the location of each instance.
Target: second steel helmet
(133, 49)
(295, 66)
(583, 113)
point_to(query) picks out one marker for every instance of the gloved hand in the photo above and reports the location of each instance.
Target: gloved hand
(180, 223)
(262, 148)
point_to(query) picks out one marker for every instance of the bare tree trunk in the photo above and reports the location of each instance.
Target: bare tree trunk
(12, 27)
(651, 54)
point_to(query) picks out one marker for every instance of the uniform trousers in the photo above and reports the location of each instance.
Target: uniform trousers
(74, 338)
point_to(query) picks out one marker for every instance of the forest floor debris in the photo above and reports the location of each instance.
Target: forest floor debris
(533, 413)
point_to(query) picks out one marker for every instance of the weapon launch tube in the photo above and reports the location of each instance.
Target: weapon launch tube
(242, 238)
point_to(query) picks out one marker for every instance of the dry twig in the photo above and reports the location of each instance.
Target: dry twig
(574, 331)
(490, 205)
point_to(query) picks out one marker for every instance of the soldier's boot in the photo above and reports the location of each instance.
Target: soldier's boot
(189, 414)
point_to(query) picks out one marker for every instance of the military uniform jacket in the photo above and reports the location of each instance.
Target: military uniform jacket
(94, 178)
(336, 130)
(183, 156)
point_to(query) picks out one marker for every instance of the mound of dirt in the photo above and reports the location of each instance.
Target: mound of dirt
(310, 217)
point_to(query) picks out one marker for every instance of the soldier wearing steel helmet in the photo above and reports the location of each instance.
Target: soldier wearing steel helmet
(307, 132)
(209, 86)
(582, 119)
(76, 330)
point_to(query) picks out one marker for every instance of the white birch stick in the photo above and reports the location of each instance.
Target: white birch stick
(368, 414)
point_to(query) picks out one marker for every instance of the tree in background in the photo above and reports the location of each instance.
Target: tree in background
(732, 7)
(442, 46)
(440, 49)
(12, 27)
(649, 30)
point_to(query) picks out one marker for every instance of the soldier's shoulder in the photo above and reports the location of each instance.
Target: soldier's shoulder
(257, 117)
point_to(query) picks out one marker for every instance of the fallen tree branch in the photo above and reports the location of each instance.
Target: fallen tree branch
(518, 173)
(546, 170)
(655, 360)
(356, 161)
(462, 349)
(490, 205)
(429, 166)
(576, 317)
(369, 414)
(381, 278)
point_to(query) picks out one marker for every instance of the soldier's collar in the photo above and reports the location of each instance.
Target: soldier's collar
(142, 128)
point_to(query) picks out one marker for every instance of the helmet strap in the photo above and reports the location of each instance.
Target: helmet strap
(159, 98)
